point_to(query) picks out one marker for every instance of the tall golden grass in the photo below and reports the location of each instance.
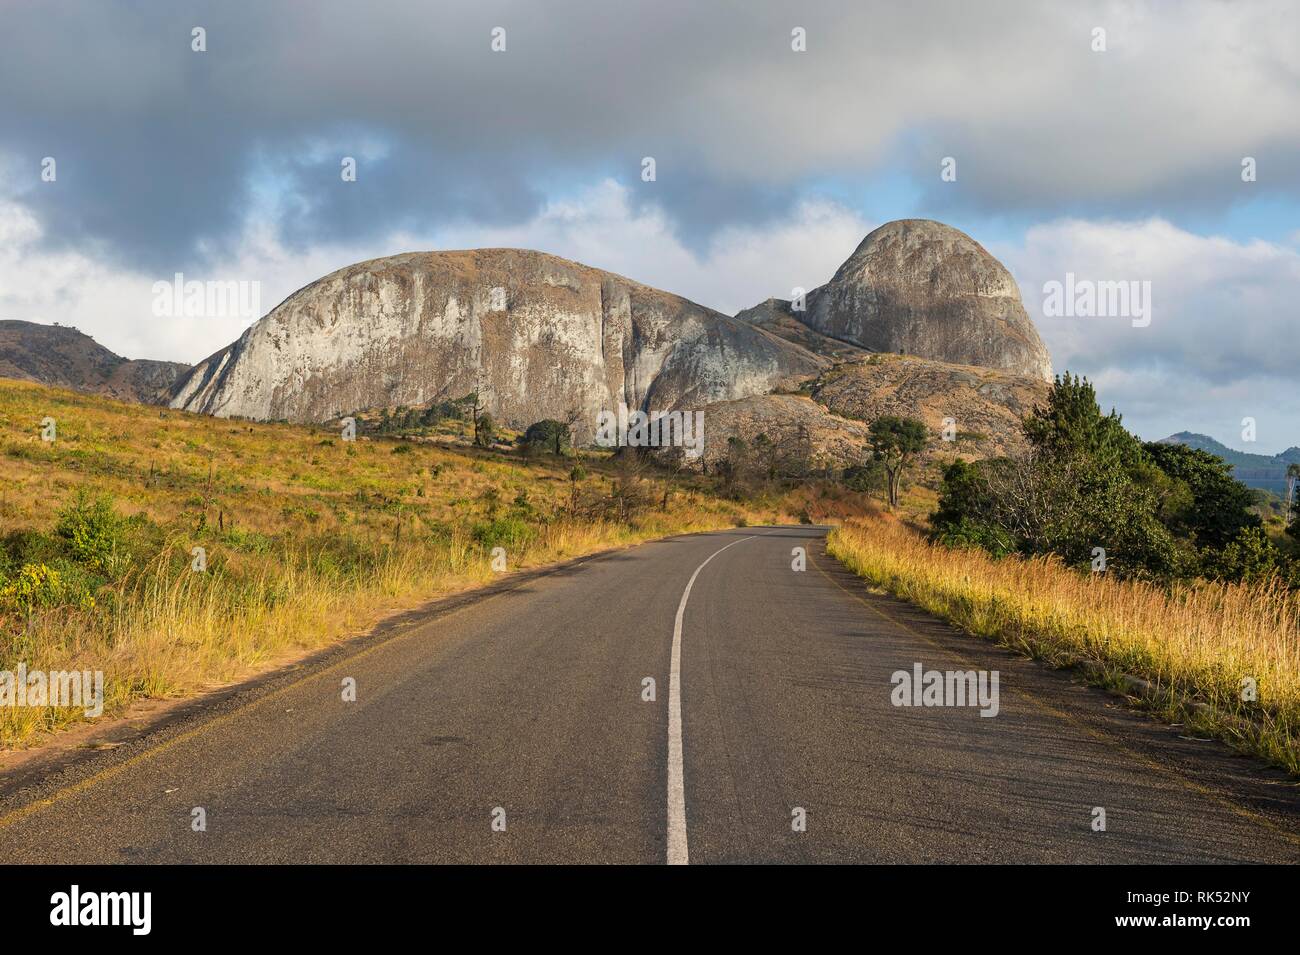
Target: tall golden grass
(268, 501)
(171, 632)
(1196, 643)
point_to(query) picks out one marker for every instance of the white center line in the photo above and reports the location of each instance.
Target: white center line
(677, 854)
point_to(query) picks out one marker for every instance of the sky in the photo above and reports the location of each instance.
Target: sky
(1110, 156)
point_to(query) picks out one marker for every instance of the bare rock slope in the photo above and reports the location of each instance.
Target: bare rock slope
(776, 316)
(793, 425)
(828, 422)
(986, 406)
(538, 336)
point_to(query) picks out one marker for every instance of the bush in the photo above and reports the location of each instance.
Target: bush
(36, 585)
(93, 534)
(1249, 557)
(1089, 486)
(863, 478)
(508, 532)
(549, 436)
(965, 532)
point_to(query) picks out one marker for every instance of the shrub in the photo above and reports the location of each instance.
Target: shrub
(509, 532)
(36, 585)
(547, 435)
(863, 478)
(92, 533)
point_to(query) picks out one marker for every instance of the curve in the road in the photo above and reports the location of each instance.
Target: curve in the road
(527, 699)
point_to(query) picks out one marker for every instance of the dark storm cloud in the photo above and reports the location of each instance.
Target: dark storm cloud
(161, 148)
(158, 147)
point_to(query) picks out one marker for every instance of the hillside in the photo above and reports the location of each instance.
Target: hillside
(66, 358)
(986, 406)
(306, 537)
(794, 424)
(1263, 471)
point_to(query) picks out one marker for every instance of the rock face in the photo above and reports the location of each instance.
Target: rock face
(66, 358)
(776, 316)
(542, 337)
(927, 289)
(537, 335)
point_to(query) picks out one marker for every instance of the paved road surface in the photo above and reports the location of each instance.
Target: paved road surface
(530, 700)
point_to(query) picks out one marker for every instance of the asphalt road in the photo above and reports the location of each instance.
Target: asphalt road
(512, 727)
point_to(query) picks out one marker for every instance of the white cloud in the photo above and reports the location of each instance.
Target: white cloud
(1013, 91)
(1224, 338)
(598, 227)
(1222, 343)
(741, 267)
(113, 305)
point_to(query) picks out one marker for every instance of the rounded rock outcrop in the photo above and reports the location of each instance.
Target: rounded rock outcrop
(927, 289)
(537, 336)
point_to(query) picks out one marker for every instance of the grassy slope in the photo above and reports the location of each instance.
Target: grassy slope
(308, 538)
(1195, 643)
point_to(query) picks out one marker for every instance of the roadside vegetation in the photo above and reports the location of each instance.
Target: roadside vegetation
(176, 552)
(1197, 642)
(1145, 560)
(304, 537)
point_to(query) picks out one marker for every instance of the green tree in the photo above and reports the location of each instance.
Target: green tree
(1250, 557)
(1218, 507)
(1292, 516)
(734, 469)
(485, 430)
(1071, 424)
(577, 474)
(895, 442)
(548, 434)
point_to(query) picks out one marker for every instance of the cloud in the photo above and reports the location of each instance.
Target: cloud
(161, 149)
(1222, 344)
(771, 164)
(602, 226)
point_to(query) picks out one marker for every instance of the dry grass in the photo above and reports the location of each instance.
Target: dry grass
(1195, 643)
(308, 538)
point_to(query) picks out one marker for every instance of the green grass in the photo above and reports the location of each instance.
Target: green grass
(308, 538)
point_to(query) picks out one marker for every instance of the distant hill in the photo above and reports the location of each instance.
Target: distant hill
(1267, 472)
(64, 357)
